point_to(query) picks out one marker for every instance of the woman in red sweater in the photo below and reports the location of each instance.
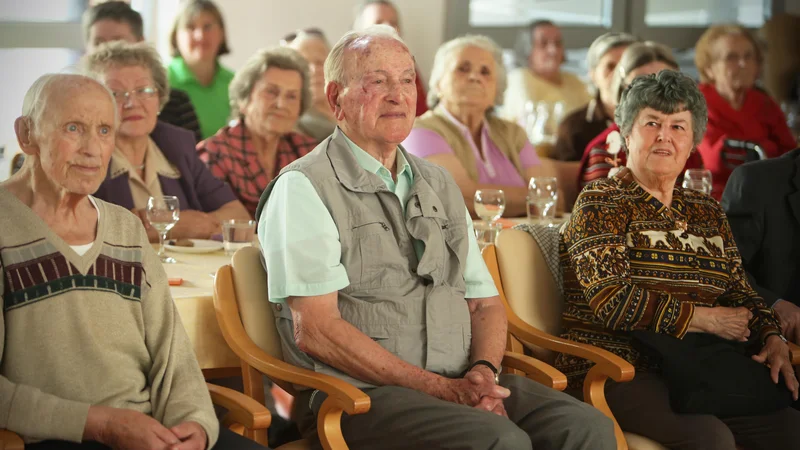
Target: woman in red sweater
(728, 59)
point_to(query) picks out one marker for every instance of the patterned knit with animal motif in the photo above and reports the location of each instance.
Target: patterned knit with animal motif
(631, 263)
(100, 328)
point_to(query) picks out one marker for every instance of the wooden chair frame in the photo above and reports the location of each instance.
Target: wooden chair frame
(242, 410)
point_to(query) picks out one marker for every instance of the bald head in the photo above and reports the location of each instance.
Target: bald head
(52, 91)
(67, 130)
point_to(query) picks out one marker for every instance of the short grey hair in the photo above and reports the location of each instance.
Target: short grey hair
(34, 104)
(450, 48)
(277, 57)
(604, 44)
(124, 54)
(637, 55)
(334, 63)
(669, 92)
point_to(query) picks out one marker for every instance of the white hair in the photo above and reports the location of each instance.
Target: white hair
(36, 98)
(334, 63)
(450, 49)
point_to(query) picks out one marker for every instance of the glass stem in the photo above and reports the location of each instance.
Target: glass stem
(161, 238)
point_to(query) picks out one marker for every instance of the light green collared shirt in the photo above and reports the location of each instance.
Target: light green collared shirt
(301, 244)
(210, 102)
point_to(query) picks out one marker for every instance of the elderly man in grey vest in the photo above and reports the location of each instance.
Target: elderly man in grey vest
(376, 278)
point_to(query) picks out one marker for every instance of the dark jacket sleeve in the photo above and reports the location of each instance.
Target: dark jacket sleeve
(745, 211)
(212, 192)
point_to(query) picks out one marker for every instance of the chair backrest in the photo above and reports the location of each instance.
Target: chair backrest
(250, 283)
(736, 153)
(530, 288)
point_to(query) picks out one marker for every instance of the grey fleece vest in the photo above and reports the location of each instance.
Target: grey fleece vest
(414, 309)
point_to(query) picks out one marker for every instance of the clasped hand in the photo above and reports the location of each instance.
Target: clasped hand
(478, 389)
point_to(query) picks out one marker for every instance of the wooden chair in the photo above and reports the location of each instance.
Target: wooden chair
(534, 305)
(248, 325)
(242, 410)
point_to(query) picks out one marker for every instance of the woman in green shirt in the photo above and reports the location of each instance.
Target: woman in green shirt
(197, 41)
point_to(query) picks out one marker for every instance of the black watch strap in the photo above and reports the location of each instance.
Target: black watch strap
(483, 362)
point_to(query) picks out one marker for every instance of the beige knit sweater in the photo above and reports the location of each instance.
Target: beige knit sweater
(97, 329)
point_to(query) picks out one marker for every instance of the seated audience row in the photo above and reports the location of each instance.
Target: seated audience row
(153, 158)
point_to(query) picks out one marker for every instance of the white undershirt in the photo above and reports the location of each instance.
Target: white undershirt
(82, 249)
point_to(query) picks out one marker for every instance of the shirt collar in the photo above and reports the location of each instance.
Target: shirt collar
(460, 125)
(155, 160)
(372, 165)
(183, 74)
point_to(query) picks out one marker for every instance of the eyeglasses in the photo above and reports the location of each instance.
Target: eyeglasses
(316, 32)
(142, 92)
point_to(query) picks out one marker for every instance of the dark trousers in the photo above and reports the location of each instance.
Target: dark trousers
(228, 440)
(641, 406)
(401, 418)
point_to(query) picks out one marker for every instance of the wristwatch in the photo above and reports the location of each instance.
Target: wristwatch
(483, 362)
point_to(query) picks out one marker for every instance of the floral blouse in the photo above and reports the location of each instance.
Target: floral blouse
(631, 263)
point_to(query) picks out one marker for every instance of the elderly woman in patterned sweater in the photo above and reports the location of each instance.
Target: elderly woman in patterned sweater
(92, 346)
(640, 253)
(268, 95)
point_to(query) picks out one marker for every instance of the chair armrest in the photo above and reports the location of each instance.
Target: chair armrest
(794, 350)
(610, 364)
(536, 370)
(342, 394)
(241, 408)
(10, 441)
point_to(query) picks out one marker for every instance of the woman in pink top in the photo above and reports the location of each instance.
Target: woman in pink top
(461, 132)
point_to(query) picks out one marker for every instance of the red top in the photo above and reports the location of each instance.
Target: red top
(760, 120)
(594, 164)
(231, 157)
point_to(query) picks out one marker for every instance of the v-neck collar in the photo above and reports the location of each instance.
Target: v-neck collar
(39, 227)
(676, 209)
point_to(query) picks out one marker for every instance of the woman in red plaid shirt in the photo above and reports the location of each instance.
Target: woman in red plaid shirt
(268, 95)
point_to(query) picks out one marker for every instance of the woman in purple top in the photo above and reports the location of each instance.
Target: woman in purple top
(461, 132)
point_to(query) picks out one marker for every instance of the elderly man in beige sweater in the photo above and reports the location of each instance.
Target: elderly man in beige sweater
(93, 347)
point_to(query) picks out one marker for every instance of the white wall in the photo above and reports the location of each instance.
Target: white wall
(255, 24)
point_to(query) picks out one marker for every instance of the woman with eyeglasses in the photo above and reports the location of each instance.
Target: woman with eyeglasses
(153, 158)
(318, 122)
(729, 59)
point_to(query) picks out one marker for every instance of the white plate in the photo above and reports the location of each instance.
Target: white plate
(200, 246)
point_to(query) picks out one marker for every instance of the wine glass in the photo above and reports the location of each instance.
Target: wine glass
(542, 200)
(490, 204)
(698, 180)
(163, 213)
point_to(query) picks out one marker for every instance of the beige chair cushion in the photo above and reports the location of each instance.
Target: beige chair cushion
(530, 289)
(250, 282)
(636, 442)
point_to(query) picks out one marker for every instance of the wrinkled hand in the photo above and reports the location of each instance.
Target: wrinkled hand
(789, 316)
(125, 429)
(487, 403)
(152, 234)
(471, 389)
(775, 353)
(192, 436)
(196, 225)
(727, 323)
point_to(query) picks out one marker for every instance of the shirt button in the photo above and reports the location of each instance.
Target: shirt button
(693, 295)
(416, 204)
(435, 209)
(278, 307)
(414, 270)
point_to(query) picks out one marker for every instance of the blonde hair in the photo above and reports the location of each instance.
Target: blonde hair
(703, 58)
(189, 9)
(637, 55)
(124, 54)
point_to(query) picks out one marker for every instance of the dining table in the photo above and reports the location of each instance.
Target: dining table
(194, 299)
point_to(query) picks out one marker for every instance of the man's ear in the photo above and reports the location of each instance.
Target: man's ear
(333, 92)
(26, 137)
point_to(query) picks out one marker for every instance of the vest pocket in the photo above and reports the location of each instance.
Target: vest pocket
(374, 261)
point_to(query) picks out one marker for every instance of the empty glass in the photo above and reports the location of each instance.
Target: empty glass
(163, 213)
(698, 180)
(490, 204)
(486, 233)
(542, 199)
(237, 234)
